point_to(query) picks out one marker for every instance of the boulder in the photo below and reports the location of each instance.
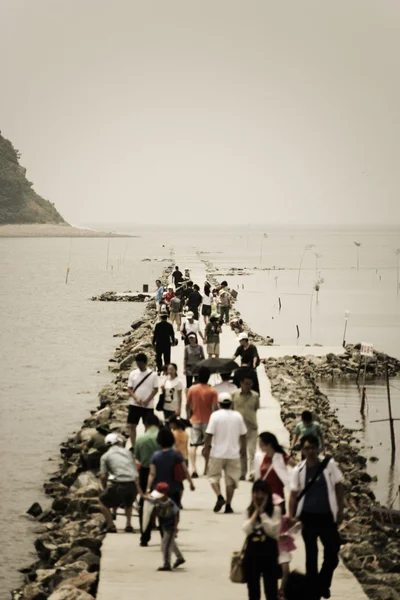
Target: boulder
(35, 510)
(84, 581)
(70, 592)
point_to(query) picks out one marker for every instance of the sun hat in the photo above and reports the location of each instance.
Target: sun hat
(192, 335)
(243, 336)
(224, 398)
(111, 439)
(190, 314)
(161, 490)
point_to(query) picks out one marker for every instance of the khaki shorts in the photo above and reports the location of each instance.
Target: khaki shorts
(198, 434)
(213, 348)
(175, 318)
(230, 467)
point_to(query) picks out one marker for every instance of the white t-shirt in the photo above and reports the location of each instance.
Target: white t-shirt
(225, 387)
(226, 426)
(146, 388)
(207, 300)
(172, 387)
(188, 327)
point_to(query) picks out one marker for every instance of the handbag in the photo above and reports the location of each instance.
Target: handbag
(161, 402)
(236, 574)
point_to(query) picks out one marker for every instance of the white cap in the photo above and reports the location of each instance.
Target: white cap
(156, 495)
(190, 314)
(243, 336)
(111, 439)
(224, 398)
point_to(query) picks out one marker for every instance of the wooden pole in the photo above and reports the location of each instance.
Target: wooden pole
(392, 434)
(66, 277)
(363, 390)
(358, 370)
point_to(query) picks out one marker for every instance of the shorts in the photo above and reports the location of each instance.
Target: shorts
(175, 317)
(284, 557)
(213, 348)
(119, 494)
(197, 434)
(230, 467)
(206, 310)
(135, 413)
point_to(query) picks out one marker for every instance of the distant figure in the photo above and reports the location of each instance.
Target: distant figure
(187, 290)
(177, 277)
(211, 336)
(194, 301)
(224, 305)
(237, 325)
(175, 307)
(193, 354)
(142, 388)
(190, 326)
(247, 403)
(225, 443)
(159, 294)
(163, 339)
(178, 426)
(124, 486)
(307, 426)
(226, 386)
(247, 352)
(167, 512)
(207, 299)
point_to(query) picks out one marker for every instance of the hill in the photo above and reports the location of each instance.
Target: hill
(19, 203)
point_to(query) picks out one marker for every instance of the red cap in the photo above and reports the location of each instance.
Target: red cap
(162, 488)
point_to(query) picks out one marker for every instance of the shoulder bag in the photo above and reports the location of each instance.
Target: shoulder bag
(236, 574)
(141, 381)
(320, 470)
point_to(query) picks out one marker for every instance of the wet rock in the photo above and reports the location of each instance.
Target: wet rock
(34, 591)
(84, 581)
(35, 510)
(70, 592)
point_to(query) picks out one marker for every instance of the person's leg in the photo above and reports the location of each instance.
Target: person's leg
(285, 575)
(243, 459)
(189, 381)
(270, 585)
(176, 551)
(106, 512)
(214, 477)
(252, 437)
(167, 355)
(310, 538)
(193, 456)
(253, 576)
(232, 468)
(128, 513)
(167, 544)
(330, 539)
(132, 433)
(159, 362)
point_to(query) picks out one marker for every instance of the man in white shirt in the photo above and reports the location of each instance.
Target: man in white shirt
(142, 387)
(190, 326)
(226, 386)
(224, 445)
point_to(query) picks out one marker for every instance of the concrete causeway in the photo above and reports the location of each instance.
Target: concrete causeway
(206, 539)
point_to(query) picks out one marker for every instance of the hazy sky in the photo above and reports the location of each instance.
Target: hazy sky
(223, 110)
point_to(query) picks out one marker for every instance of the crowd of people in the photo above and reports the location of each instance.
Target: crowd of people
(222, 421)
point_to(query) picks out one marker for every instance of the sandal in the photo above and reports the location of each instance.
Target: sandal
(112, 529)
(129, 529)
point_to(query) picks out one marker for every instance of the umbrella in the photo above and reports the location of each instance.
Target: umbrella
(148, 508)
(216, 365)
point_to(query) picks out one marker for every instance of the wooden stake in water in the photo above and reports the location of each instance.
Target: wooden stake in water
(363, 390)
(66, 277)
(108, 251)
(390, 419)
(346, 318)
(69, 260)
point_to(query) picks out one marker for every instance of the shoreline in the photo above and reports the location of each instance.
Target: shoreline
(49, 230)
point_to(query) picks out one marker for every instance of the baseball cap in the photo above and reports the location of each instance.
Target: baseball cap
(161, 490)
(111, 439)
(243, 336)
(224, 398)
(190, 314)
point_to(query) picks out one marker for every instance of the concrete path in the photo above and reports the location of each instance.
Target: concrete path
(205, 538)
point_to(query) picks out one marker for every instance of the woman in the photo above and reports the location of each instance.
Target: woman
(261, 552)
(207, 298)
(162, 467)
(172, 388)
(193, 354)
(271, 465)
(211, 336)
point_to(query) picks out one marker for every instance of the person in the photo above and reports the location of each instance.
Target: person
(247, 352)
(177, 277)
(142, 387)
(163, 466)
(262, 528)
(146, 446)
(224, 304)
(201, 401)
(175, 311)
(187, 290)
(226, 385)
(225, 443)
(168, 296)
(167, 512)
(286, 546)
(192, 355)
(307, 426)
(190, 326)
(163, 339)
(159, 294)
(247, 402)
(270, 465)
(211, 336)
(320, 510)
(237, 325)
(124, 486)
(243, 371)
(194, 301)
(172, 388)
(207, 298)
(178, 426)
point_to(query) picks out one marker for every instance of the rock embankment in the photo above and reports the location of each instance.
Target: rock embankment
(69, 545)
(370, 549)
(124, 297)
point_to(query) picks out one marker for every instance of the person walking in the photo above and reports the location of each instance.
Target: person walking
(246, 371)
(164, 465)
(211, 336)
(247, 402)
(225, 443)
(207, 299)
(192, 355)
(307, 426)
(159, 294)
(167, 512)
(201, 401)
(262, 529)
(142, 388)
(317, 500)
(177, 277)
(175, 307)
(178, 426)
(270, 465)
(194, 301)
(172, 388)
(190, 326)
(226, 385)
(224, 305)
(123, 487)
(146, 446)
(163, 339)
(247, 352)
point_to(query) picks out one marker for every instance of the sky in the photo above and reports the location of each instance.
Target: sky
(179, 111)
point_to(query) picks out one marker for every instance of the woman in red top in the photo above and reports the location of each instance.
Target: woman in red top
(272, 465)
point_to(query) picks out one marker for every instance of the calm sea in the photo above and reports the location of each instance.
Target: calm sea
(56, 343)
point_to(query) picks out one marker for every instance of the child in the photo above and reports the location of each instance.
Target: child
(167, 513)
(285, 546)
(307, 426)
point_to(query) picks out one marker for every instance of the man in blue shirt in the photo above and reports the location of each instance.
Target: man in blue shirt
(159, 293)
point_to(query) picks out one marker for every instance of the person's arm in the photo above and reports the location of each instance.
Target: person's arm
(255, 357)
(189, 411)
(207, 446)
(150, 398)
(237, 353)
(248, 525)
(243, 446)
(133, 395)
(201, 334)
(272, 524)
(292, 505)
(152, 476)
(186, 471)
(294, 441)
(185, 358)
(172, 335)
(137, 452)
(153, 341)
(339, 489)
(179, 409)
(103, 480)
(139, 489)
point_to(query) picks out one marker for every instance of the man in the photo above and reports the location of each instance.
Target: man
(247, 403)
(175, 311)
(159, 294)
(201, 401)
(146, 445)
(119, 463)
(187, 290)
(163, 339)
(194, 301)
(226, 386)
(211, 336)
(246, 371)
(142, 387)
(224, 305)
(247, 352)
(177, 277)
(320, 509)
(308, 427)
(190, 326)
(225, 444)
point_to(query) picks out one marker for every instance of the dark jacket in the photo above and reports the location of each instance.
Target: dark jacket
(164, 334)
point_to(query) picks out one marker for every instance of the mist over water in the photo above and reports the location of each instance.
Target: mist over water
(54, 340)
